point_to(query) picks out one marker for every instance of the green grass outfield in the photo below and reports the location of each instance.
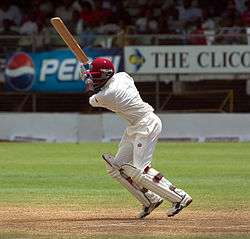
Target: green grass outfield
(217, 175)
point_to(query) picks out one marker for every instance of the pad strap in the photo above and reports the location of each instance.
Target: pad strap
(154, 181)
(144, 196)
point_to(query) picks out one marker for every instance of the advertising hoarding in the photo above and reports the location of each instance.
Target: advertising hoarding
(187, 59)
(53, 71)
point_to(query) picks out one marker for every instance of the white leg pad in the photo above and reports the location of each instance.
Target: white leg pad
(154, 181)
(128, 184)
(145, 197)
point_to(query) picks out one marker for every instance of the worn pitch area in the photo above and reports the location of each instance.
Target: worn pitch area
(58, 221)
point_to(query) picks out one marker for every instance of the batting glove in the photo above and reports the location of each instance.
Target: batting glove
(86, 78)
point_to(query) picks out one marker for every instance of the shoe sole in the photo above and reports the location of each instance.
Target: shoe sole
(156, 205)
(181, 207)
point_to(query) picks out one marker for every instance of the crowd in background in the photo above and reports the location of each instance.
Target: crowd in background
(88, 18)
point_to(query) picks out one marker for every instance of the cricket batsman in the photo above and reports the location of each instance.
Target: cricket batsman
(131, 166)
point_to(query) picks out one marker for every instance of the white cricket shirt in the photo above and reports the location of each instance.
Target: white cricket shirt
(121, 96)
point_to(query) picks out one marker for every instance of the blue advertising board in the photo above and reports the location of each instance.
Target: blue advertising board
(53, 71)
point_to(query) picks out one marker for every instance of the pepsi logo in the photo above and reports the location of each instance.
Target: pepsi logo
(20, 72)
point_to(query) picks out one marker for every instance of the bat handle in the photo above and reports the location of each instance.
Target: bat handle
(85, 66)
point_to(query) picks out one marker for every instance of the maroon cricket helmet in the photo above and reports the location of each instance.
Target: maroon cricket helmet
(100, 70)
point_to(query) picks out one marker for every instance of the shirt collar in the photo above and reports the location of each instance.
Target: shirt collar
(107, 83)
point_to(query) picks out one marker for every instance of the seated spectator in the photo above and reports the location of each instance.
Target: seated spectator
(10, 44)
(132, 7)
(208, 22)
(108, 27)
(230, 11)
(156, 7)
(65, 11)
(29, 27)
(240, 5)
(100, 14)
(46, 7)
(77, 4)
(214, 7)
(240, 31)
(245, 16)
(122, 15)
(107, 5)
(86, 14)
(11, 12)
(86, 34)
(169, 22)
(41, 40)
(197, 35)
(7, 28)
(93, 17)
(146, 24)
(167, 4)
(230, 32)
(74, 22)
(209, 26)
(39, 15)
(190, 11)
(1, 15)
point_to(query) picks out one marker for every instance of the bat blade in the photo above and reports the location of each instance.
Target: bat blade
(69, 39)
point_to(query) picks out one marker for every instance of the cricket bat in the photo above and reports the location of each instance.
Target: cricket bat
(69, 39)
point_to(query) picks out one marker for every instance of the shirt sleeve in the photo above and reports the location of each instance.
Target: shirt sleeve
(95, 101)
(104, 98)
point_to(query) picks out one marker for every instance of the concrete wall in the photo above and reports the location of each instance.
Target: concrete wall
(105, 127)
(49, 127)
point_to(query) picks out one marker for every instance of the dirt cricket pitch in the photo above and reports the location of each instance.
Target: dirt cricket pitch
(61, 222)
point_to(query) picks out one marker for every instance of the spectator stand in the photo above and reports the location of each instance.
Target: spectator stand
(24, 26)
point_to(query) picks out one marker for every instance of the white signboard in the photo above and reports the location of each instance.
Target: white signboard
(187, 59)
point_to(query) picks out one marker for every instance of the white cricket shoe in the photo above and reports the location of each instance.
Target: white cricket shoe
(147, 210)
(178, 206)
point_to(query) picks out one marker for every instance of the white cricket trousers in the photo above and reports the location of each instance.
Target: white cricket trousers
(138, 142)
